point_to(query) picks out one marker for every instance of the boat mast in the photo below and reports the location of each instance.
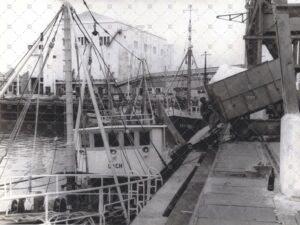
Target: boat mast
(68, 80)
(189, 62)
(109, 91)
(144, 103)
(205, 79)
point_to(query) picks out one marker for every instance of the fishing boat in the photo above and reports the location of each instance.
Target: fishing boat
(112, 167)
(183, 111)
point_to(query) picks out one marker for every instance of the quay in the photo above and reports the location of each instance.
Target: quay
(228, 188)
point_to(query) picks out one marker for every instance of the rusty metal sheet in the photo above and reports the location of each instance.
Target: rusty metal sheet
(248, 91)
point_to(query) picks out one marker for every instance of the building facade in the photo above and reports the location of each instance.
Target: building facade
(119, 44)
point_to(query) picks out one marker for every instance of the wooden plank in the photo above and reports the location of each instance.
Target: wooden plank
(152, 213)
(177, 136)
(183, 210)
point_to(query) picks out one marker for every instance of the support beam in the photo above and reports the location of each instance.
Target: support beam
(290, 123)
(68, 78)
(286, 60)
(234, 17)
(104, 135)
(252, 17)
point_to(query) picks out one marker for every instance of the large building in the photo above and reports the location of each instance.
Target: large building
(120, 45)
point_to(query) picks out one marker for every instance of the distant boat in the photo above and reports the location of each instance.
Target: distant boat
(185, 116)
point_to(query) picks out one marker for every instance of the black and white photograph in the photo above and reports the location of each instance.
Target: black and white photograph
(150, 112)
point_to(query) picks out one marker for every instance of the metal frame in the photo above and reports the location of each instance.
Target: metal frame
(139, 191)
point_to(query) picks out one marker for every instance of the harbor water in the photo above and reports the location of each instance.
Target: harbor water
(47, 157)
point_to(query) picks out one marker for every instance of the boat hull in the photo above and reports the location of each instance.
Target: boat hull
(187, 126)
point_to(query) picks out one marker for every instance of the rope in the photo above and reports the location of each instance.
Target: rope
(34, 43)
(86, 35)
(21, 118)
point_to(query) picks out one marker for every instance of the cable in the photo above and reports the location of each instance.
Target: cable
(21, 118)
(106, 31)
(86, 34)
(34, 43)
(95, 49)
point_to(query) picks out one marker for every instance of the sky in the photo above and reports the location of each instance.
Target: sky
(21, 22)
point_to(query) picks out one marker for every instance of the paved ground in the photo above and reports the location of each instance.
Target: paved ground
(233, 193)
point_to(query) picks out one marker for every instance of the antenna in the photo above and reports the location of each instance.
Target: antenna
(189, 60)
(190, 24)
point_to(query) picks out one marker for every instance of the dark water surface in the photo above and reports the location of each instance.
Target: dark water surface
(48, 156)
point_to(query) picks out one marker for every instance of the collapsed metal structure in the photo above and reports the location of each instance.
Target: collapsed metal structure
(276, 25)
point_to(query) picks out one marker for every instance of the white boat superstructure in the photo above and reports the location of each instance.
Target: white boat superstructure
(135, 149)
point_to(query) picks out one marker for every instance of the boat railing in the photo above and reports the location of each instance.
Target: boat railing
(136, 192)
(129, 119)
(177, 112)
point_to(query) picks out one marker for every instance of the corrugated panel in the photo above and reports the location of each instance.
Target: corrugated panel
(248, 91)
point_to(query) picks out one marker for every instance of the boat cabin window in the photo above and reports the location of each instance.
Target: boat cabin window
(113, 139)
(129, 139)
(85, 143)
(145, 138)
(158, 90)
(98, 141)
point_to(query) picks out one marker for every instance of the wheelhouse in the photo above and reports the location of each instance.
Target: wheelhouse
(139, 149)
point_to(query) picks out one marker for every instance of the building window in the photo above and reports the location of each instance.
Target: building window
(135, 44)
(98, 141)
(54, 56)
(104, 40)
(145, 138)
(113, 139)
(83, 40)
(129, 139)
(162, 52)
(145, 47)
(154, 50)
